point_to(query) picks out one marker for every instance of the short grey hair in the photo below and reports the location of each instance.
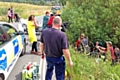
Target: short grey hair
(57, 20)
(117, 49)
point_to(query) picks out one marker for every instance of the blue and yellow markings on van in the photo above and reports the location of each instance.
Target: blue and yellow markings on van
(16, 46)
(3, 59)
(21, 41)
(6, 59)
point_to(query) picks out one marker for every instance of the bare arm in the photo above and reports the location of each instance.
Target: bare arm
(41, 48)
(102, 48)
(35, 24)
(67, 55)
(102, 51)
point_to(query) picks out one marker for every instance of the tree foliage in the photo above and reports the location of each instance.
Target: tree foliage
(98, 19)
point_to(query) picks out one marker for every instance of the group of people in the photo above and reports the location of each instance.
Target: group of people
(47, 21)
(108, 52)
(82, 40)
(12, 16)
(53, 45)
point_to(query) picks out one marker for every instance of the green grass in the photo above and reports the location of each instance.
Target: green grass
(86, 68)
(23, 10)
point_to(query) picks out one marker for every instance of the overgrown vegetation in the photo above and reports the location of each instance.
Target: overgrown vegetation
(90, 68)
(23, 10)
(98, 19)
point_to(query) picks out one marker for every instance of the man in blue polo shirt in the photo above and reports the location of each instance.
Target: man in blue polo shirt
(54, 44)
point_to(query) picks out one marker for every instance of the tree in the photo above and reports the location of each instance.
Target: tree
(98, 19)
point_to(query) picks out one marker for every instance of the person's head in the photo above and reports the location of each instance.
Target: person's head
(31, 18)
(97, 43)
(51, 15)
(82, 36)
(47, 13)
(57, 22)
(109, 43)
(116, 50)
(8, 8)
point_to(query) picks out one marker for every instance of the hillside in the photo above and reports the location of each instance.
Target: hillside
(23, 10)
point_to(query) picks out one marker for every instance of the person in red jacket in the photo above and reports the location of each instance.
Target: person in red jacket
(81, 39)
(50, 20)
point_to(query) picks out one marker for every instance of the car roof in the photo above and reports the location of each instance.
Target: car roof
(6, 23)
(3, 22)
(11, 24)
(16, 26)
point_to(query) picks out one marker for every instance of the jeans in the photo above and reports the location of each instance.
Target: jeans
(59, 65)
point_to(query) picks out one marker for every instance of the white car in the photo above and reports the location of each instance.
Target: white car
(12, 45)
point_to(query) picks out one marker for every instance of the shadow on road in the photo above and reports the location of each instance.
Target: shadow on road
(18, 76)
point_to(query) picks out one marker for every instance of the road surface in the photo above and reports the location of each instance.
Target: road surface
(16, 72)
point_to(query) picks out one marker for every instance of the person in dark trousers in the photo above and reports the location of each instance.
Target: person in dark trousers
(32, 34)
(54, 45)
(12, 13)
(9, 16)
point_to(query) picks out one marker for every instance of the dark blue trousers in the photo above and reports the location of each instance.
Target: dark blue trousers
(59, 65)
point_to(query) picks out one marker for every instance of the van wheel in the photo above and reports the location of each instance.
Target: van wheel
(24, 48)
(2, 77)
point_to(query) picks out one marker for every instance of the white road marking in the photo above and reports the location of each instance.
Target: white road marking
(40, 68)
(44, 69)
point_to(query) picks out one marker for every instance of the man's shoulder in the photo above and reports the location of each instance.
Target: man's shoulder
(44, 30)
(47, 30)
(53, 30)
(61, 33)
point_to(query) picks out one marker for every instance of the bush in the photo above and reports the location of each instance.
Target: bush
(98, 19)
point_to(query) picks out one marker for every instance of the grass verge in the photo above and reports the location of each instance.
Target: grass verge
(23, 10)
(89, 68)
